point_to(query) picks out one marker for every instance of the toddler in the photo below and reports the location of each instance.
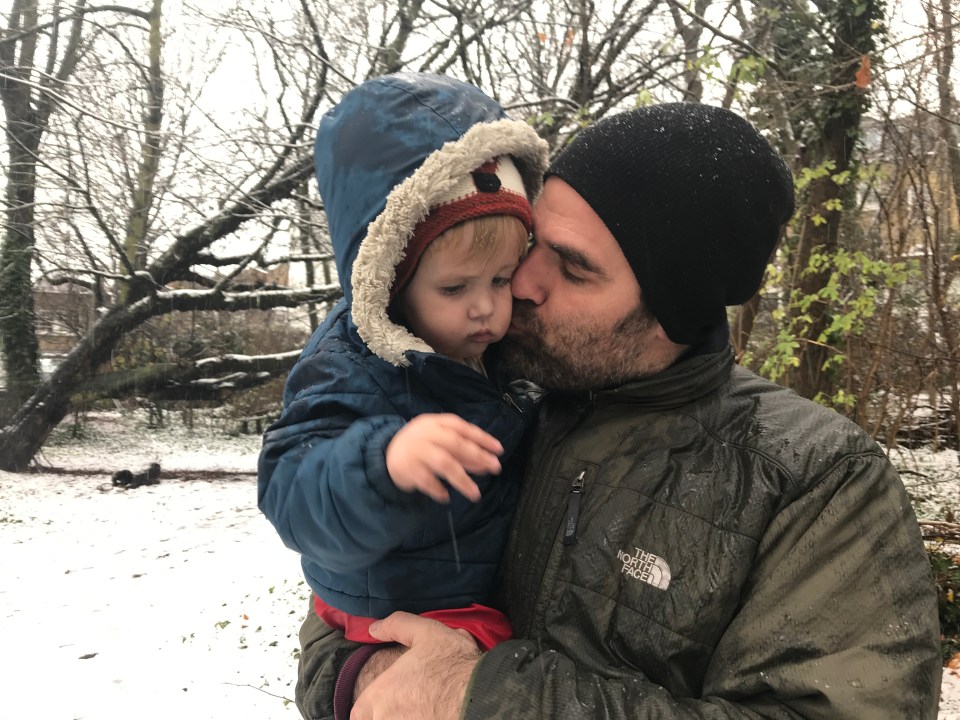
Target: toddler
(393, 468)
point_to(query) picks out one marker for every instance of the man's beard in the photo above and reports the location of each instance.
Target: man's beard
(576, 355)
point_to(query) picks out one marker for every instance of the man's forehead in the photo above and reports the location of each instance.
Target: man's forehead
(565, 224)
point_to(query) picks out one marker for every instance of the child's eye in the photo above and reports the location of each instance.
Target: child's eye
(451, 289)
(501, 282)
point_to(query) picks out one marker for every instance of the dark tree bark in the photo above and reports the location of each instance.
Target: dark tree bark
(837, 131)
(27, 106)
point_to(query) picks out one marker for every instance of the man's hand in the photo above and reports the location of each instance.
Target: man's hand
(439, 445)
(427, 682)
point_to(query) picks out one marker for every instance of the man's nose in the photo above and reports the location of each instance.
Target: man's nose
(527, 280)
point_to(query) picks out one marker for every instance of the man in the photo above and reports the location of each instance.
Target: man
(691, 540)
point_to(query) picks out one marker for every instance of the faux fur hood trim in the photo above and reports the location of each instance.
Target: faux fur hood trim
(387, 236)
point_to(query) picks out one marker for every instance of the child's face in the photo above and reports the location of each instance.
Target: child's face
(459, 302)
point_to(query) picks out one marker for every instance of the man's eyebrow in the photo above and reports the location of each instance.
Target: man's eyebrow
(576, 258)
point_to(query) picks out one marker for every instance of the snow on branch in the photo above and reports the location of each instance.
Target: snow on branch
(186, 300)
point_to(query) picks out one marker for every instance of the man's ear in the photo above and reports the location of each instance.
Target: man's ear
(665, 350)
(659, 334)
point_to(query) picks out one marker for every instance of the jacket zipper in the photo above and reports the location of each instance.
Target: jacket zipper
(542, 485)
(512, 403)
(573, 510)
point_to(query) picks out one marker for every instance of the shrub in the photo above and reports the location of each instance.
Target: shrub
(946, 577)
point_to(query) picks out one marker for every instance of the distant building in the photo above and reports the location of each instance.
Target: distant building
(64, 314)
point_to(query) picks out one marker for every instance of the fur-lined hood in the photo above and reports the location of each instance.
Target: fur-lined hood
(383, 155)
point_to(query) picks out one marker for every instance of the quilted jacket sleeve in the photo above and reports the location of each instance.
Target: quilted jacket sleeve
(836, 621)
(322, 476)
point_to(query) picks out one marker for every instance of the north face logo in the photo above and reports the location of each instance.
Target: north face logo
(646, 567)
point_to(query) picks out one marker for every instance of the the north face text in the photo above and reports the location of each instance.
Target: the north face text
(646, 567)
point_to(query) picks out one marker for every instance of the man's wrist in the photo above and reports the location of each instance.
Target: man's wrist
(345, 689)
(379, 661)
(455, 680)
(468, 690)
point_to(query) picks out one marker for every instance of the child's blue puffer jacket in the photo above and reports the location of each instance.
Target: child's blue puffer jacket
(368, 548)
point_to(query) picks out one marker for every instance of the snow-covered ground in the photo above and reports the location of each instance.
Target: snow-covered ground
(933, 480)
(169, 601)
(177, 600)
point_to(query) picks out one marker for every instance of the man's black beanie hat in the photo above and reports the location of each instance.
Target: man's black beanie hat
(696, 198)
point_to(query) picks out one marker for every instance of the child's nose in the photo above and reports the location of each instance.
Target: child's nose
(482, 306)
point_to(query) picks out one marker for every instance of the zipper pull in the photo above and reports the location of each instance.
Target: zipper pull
(573, 510)
(453, 538)
(508, 398)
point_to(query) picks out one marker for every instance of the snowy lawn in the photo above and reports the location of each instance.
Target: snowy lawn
(178, 600)
(169, 601)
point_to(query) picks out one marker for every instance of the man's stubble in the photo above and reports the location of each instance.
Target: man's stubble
(577, 355)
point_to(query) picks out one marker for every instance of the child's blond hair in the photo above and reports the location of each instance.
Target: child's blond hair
(487, 235)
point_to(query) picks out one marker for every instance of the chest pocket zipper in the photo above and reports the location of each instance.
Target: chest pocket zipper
(572, 516)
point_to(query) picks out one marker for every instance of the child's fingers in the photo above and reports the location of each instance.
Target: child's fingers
(448, 467)
(463, 484)
(472, 433)
(474, 458)
(484, 439)
(434, 451)
(436, 490)
(457, 438)
(478, 462)
(431, 486)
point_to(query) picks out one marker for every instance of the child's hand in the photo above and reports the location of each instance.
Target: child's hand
(434, 446)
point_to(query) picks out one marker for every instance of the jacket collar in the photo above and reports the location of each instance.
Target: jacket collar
(690, 378)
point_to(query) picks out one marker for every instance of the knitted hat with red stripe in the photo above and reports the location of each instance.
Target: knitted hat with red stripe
(494, 188)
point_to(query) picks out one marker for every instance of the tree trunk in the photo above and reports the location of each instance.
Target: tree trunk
(18, 339)
(27, 105)
(138, 223)
(17, 329)
(840, 116)
(808, 378)
(742, 328)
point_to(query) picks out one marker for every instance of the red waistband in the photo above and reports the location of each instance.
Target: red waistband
(488, 626)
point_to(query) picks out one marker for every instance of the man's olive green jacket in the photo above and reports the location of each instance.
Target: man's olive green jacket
(706, 544)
